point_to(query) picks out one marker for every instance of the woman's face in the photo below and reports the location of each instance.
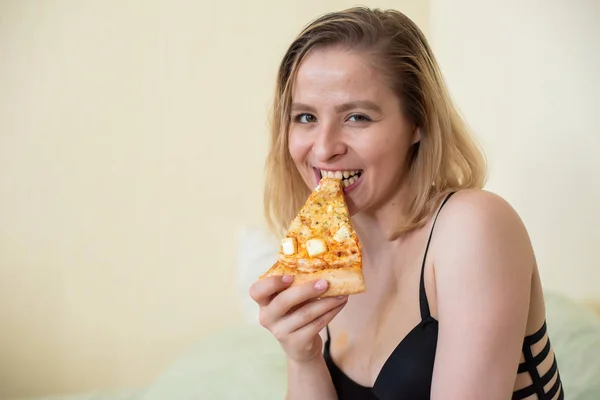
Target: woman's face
(346, 121)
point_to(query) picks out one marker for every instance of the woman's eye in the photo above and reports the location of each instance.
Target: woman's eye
(305, 118)
(358, 118)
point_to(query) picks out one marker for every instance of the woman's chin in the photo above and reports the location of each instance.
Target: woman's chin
(353, 208)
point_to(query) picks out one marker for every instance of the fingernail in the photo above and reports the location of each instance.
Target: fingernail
(342, 297)
(321, 284)
(287, 279)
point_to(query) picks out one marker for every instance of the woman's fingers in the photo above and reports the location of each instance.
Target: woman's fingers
(295, 314)
(294, 296)
(263, 290)
(314, 312)
(310, 330)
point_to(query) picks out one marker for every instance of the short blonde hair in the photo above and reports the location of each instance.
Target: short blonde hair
(446, 158)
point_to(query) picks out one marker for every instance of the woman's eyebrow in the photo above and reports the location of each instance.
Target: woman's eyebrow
(366, 104)
(302, 107)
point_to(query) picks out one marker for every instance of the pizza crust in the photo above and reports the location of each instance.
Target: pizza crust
(342, 281)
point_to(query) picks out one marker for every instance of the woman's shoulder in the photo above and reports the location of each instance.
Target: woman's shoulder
(479, 210)
(478, 203)
(484, 227)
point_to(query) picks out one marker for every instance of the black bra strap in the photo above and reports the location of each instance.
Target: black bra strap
(328, 341)
(424, 304)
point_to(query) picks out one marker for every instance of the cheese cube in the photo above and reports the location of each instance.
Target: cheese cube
(342, 234)
(289, 246)
(315, 247)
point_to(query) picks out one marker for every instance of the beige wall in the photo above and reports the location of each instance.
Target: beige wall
(525, 73)
(132, 137)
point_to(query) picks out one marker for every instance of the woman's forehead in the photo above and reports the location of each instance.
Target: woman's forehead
(339, 74)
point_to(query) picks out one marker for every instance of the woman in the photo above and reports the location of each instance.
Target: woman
(454, 308)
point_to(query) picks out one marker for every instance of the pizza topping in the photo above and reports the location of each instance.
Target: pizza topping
(342, 234)
(304, 231)
(320, 241)
(310, 264)
(342, 261)
(315, 247)
(289, 246)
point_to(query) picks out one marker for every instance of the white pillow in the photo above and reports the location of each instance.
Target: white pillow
(256, 253)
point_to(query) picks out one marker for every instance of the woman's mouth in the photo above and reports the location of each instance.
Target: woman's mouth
(349, 178)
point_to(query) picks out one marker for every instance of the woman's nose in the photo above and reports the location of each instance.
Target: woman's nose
(328, 143)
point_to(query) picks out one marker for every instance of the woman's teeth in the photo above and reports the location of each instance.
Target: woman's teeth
(349, 181)
(347, 177)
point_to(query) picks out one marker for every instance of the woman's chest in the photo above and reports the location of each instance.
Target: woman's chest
(370, 328)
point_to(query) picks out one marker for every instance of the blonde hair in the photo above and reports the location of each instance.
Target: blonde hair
(446, 158)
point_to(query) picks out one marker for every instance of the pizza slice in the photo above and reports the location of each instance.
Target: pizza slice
(321, 243)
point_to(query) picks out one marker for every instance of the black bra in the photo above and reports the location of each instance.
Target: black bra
(408, 371)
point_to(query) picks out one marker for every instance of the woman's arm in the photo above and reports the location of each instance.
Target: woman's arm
(483, 267)
(296, 317)
(310, 380)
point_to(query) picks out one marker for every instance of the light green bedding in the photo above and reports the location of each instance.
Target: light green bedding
(242, 363)
(575, 335)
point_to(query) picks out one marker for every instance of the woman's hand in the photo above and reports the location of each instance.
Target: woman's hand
(295, 315)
